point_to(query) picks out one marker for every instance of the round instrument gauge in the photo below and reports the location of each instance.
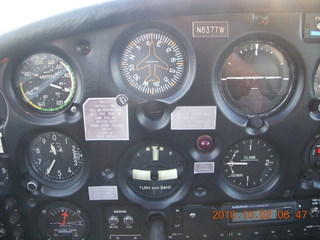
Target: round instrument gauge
(55, 157)
(63, 221)
(250, 164)
(156, 171)
(316, 84)
(46, 83)
(256, 78)
(314, 155)
(153, 63)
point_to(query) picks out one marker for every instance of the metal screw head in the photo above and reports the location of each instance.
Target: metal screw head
(84, 47)
(260, 19)
(192, 215)
(73, 109)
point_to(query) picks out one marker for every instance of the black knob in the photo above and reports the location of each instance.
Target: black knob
(17, 233)
(14, 218)
(10, 204)
(3, 232)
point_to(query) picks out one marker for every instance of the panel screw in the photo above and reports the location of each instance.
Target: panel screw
(192, 215)
(73, 109)
(83, 47)
(260, 19)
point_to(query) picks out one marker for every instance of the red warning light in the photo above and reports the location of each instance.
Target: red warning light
(318, 151)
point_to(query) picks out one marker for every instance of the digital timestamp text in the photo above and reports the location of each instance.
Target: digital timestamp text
(258, 215)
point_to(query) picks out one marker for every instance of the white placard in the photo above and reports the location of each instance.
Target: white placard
(203, 167)
(194, 118)
(103, 193)
(105, 120)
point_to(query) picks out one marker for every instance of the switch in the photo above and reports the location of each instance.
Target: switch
(128, 220)
(17, 234)
(14, 218)
(3, 232)
(314, 212)
(10, 204)
(113, 220)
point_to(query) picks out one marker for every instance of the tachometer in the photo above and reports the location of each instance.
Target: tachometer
(46, 83)
(250, 164)
(256, 78)
(55, 157)
(153, 63)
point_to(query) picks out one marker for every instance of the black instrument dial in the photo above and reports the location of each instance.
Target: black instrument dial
(153, 63)
(46, 83)
(250, 164)
(63, 221)
(156, 171)
(55, 156)
(316, 84)
(256, 78)
(314, 155)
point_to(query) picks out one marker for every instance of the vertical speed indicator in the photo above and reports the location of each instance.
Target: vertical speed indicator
(153, 63)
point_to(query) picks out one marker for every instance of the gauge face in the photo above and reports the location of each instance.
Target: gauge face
(250, 164)
(314, 156)
(156, 170)
(63, 221)
(316, 84)
(46, 83)
(153, 63)
(256, 78)
(55, 156)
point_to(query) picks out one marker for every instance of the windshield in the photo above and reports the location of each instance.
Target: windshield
(16, 13)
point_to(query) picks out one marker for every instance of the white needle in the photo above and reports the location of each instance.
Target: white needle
(236, 163)
(55, 86)
(53, 149)
(51, 166)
